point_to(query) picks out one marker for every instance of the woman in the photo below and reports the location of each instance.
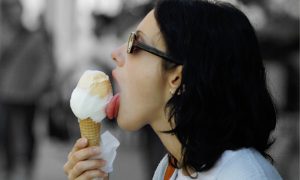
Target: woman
(193, 72)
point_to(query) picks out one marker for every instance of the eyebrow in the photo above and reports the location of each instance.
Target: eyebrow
(138, 32)
(141, 34)
(144, 37)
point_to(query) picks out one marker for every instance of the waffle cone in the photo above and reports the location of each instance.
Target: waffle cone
(90, 130)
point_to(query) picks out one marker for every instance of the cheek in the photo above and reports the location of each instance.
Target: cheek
(141, 96)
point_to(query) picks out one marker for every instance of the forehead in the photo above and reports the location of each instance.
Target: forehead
(149, 28)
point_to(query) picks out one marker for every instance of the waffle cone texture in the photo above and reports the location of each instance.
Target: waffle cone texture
(91, 130)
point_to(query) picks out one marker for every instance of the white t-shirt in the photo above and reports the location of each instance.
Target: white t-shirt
(242, 164)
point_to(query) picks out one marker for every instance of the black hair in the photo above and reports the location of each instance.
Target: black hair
(223, 102)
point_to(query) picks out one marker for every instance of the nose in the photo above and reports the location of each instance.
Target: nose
(118, 56)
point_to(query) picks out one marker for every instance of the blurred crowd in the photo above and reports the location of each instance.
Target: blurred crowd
(26, 72)
(40, 65)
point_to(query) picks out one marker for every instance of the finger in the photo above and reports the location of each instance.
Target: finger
(80, 143)
(92, 174)
(83, 166)
(66, 168)
(82, 155)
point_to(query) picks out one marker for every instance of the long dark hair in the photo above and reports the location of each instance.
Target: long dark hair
(223, 102)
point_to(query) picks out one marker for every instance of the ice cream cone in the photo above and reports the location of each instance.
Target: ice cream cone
(90, 130)
(88, 102)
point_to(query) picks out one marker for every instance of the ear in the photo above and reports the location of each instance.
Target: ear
(175, 78)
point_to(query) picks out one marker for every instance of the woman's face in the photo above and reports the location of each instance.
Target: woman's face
(143, 88)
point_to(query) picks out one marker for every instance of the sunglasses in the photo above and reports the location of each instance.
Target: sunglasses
(134, 43)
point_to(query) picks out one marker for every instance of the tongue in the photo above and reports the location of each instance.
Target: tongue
(113, 107)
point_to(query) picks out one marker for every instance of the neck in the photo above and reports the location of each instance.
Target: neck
(170, 141)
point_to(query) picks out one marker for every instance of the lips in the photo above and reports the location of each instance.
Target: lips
(112, 108)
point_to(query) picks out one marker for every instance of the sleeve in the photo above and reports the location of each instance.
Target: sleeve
(160, 170)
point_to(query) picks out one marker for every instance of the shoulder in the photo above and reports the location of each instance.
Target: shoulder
(246, 164)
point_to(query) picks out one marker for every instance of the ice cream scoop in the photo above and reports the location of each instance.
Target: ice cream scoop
(88, 102)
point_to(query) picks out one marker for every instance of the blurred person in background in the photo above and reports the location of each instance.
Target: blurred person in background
(25, 71)
(194, 73)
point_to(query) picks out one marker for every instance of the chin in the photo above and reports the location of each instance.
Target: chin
(124, 124)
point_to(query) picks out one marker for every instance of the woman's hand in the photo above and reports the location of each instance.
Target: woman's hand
(79, 165)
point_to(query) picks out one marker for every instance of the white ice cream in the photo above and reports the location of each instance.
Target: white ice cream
(88, 100)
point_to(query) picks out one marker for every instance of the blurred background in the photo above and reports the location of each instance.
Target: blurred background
(45, 45)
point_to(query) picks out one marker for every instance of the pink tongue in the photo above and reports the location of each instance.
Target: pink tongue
(113, 107)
